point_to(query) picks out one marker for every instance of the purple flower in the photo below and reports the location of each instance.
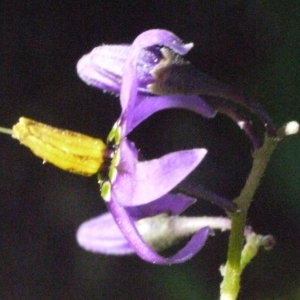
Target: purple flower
(104, 67)
(151, 75)
(161, 70)
(135, 190)
(160, 230)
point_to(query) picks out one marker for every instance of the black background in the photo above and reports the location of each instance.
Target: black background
(252, 45)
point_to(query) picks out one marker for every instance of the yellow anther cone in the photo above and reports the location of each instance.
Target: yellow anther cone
(71, 151)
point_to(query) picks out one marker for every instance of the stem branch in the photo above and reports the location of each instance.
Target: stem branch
(232, 271)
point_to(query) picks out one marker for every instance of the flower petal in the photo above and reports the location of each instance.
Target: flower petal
(102, 235)
(152, 104)
(93, 73)
(153, 179)
(103, 67)
(162, 37)
(129, 87)
(170, 203)
(129, 230)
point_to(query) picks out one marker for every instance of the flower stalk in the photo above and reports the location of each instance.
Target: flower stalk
(6, 130)
(235, 261)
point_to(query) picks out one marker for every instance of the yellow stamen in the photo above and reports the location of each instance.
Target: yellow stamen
(67, 150)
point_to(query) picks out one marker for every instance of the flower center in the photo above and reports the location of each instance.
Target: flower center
(108, 172)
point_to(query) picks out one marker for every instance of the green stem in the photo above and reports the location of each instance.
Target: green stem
(232, 272)
(6, 130)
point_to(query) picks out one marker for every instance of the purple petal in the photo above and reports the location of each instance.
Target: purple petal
(123, 186)
(232, 111)
(129, 157)
(129, 230)
(149, 105)
(162, 37)
(129, 87)
(172, 204)
(95, 73)
(102, 235)
(153, 179)
(103, 67)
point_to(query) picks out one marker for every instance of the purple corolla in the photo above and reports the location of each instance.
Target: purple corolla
(165, 80)
(151, 75)
(133, 189)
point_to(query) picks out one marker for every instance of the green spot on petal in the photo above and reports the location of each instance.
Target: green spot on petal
(106, 191)
(112, 174)
(111, 135)
(100, 178)
(118, 136)
(114, 135)
(116, 158)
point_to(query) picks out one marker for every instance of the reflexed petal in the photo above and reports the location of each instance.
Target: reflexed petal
(152, 104)
(92, 74)
(162, 37)
(129, 156)
(103, 67)
(102, 235)
(125, 170)
(155, 178)
(129, 230)
(148, 38)
(170, 203)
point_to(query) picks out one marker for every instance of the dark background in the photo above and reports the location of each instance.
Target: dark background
(252, 45)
